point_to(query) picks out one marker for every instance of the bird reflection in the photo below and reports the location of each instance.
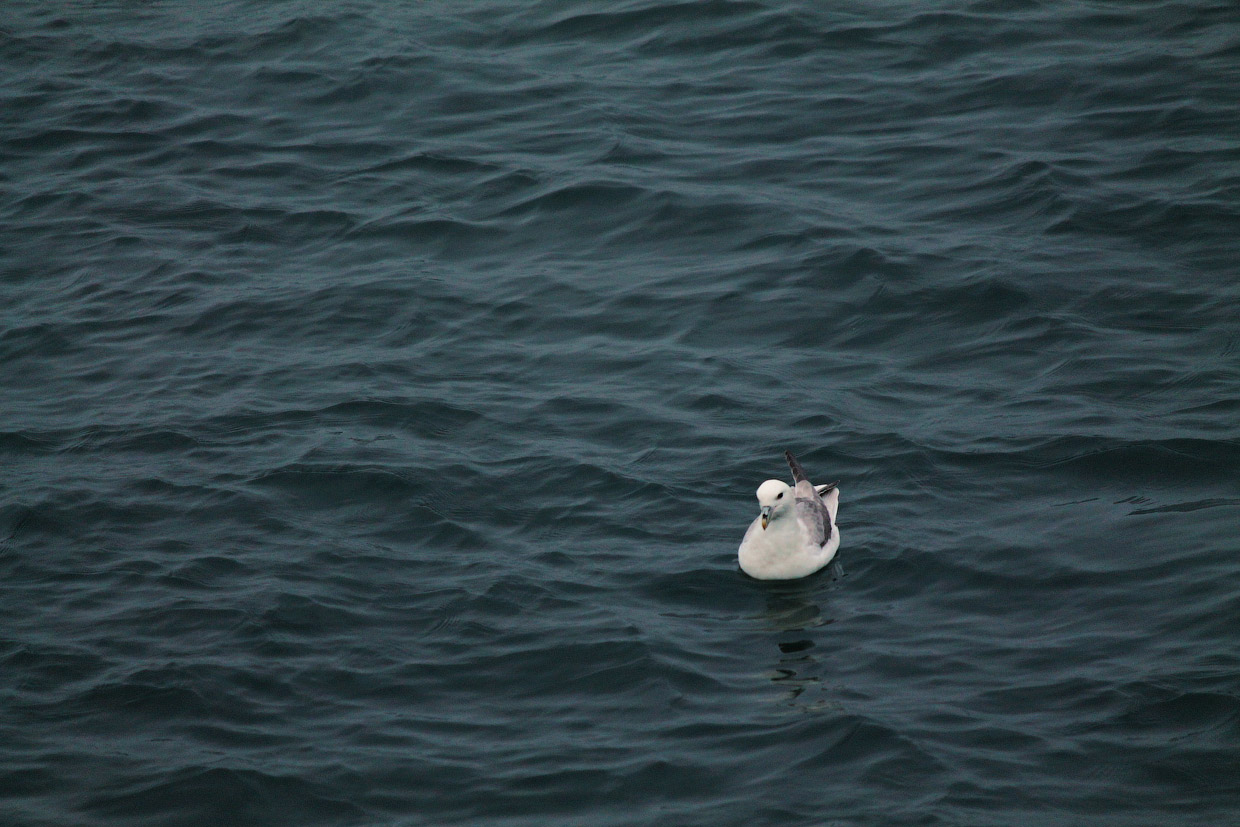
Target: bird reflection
(791, 609)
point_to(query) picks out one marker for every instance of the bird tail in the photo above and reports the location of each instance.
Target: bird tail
(798, 473)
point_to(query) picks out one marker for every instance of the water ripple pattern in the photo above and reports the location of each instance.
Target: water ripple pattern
(385, 387)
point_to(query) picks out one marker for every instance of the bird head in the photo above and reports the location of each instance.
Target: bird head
(773, 496)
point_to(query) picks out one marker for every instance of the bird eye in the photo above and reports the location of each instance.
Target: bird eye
(780, 495)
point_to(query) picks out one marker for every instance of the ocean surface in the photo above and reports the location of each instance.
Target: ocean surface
(384, 388)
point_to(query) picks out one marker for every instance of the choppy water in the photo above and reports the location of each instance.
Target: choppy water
(385, 387)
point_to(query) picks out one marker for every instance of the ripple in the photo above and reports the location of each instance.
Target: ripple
(385, 390)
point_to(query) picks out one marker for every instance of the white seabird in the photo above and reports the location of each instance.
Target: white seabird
(795, 534)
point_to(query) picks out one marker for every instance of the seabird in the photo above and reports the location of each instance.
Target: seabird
(794, 535)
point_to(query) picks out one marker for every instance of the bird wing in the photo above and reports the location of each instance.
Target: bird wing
(812, 512)
(798, 473)
(810, 518)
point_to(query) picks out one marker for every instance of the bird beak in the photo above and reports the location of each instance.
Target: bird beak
(766, 515)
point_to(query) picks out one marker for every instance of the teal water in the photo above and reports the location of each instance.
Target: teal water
(384, 387)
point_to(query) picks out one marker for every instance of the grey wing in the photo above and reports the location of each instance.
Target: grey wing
(798, 473)
(817, 520)
(813, 513)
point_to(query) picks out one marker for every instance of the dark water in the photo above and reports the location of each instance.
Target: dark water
(385, 387)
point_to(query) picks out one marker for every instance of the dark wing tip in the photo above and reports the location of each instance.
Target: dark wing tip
(798, 473)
